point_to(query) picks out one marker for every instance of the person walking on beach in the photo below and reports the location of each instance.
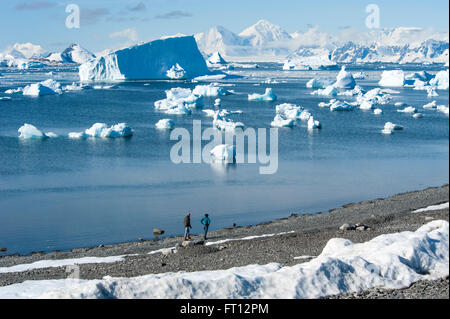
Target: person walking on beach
(205, 222)
(187, 226)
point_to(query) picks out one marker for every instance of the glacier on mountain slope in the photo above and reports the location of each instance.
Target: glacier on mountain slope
(150, 61)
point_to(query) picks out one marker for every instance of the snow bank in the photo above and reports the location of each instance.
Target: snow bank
(345, 80)
(102, 130)
(267, 96)
(176, 72)
(395, 78)
(432, 208)
(281, 121)
(391, 261)
(48, 87)
(150, 61)
(165, 124)
(223, 153)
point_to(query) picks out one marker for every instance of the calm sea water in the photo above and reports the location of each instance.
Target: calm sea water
(61, 193)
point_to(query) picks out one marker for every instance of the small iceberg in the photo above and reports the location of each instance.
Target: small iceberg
(377, 111)
(442, 109)
(5, 98)
(226, 124)
(319, 83)
(210, 90)
(165, 124)
(28, 131)
(313, 124)
(48, 87)
(281, 121)
(345, 80)
(176, 72)
(179, 96)
(341, 106)
(103, 131)
(389, 128)
(217, 102)
(366, 106)
(223, 153)
(330, 90)
(408, 109)
(394, 78)
(417, 115)
(430, 106)
(267, 96)
(440, 81)
(289, 111)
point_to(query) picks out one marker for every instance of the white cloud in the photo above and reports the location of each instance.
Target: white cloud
(130, 34)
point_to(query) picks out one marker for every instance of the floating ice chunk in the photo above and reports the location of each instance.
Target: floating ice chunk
(440, 81)
(226, 124)
(288, 111)
(377, 111)
(165, 124)
(345, 80)
(360, 75)
(395, 78)
(281, 121)
(305, 116)
(223, 153)
(217, 102)
(313, 124)
(375, 96)
(28, 131)
(179, 96)
(366, 105)
(210, 90)
(310, 62)
(418, 115)
(341, 106)
(443, 109)
(5, 98)
(176, 72)
(390, 127)
(12, 91)
(324, 104)
(48, 87)
(430, 106)
(180, 109)
(431, 92)
(209, 113)
(356, 91)
(77, 135)
(408, 109)
(423, 76)
(103, 131)
(267, 96)
(319, 83)
(51, 134)
(400, 104)
(328, 91)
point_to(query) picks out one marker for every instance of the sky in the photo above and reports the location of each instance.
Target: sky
(114, 23)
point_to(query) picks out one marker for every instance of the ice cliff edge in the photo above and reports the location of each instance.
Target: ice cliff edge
(149, 61)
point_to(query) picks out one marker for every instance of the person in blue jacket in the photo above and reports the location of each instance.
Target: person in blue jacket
(205, 222)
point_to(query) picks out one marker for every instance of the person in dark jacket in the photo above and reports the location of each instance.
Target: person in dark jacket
(205, 222)
(187, 226)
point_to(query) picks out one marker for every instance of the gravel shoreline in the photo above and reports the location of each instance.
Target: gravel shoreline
(304, 235)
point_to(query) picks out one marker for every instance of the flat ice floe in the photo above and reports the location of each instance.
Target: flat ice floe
(267, 96)
(391, 261)
(103, 131)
